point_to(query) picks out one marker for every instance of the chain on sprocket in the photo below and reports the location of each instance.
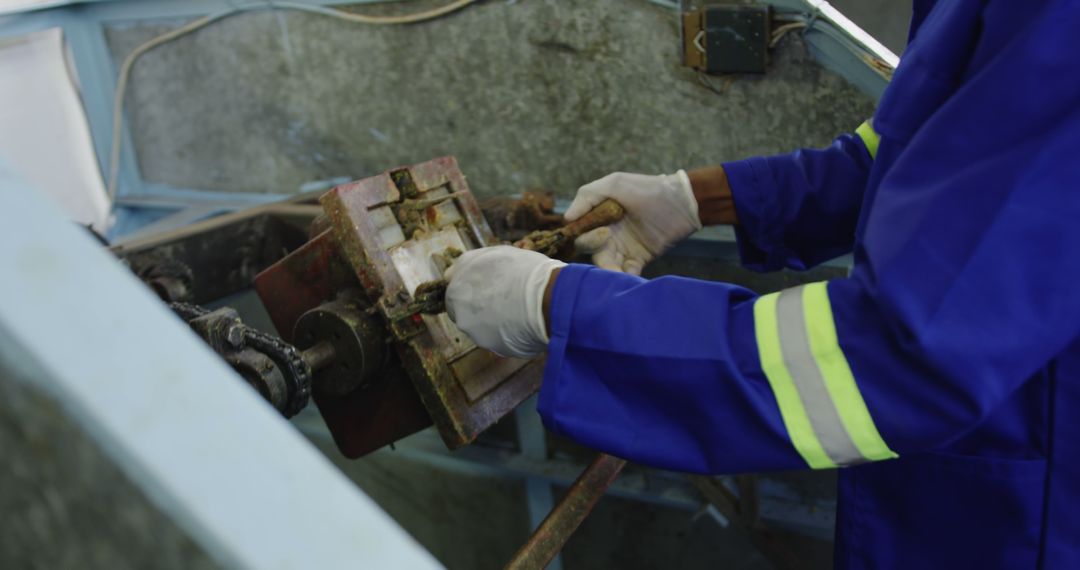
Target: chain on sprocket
(285, 356)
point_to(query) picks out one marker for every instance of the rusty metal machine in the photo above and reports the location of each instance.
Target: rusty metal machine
(362, 329)
(351, 282)
(384, 364)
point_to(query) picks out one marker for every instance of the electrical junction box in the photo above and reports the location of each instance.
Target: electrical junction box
(727, 39)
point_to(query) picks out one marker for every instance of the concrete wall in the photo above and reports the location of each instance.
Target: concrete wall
(533, 93)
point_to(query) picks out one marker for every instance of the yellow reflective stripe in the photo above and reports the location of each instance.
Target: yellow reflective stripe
(869, 136)
(797, 423)
(840, 382)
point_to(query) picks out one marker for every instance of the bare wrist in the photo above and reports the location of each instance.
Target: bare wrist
(713, 194)
(548, 293)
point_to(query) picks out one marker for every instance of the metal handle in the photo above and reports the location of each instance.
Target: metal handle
(552, 534)
(552, 243)
(429, 296)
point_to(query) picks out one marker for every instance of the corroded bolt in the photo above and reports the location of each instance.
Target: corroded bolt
(235, 336)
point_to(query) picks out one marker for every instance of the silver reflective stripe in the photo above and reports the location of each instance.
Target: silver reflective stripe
(809, 383)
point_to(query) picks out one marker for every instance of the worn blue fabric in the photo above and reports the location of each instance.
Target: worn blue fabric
(960, 320)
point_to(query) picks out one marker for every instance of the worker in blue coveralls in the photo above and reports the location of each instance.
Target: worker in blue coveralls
(943, 374)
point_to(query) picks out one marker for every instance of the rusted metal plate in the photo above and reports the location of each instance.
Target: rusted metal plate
(387, 235)
(363, 420)
(481, 371)
(375, 416)
(301, 281)
(435, 212)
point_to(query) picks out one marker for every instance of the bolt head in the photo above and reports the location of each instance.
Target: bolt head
(235, 336)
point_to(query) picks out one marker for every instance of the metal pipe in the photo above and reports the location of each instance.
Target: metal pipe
(552, 534)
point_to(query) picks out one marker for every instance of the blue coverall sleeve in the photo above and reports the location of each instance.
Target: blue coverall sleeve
(800, 209)
(964, 287)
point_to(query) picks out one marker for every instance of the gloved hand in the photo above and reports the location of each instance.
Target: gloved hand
(660, 211)
(496, 296)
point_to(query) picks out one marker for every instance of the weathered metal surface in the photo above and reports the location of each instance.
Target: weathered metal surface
(274, 368)
(390, 408)
(430, 297)
(170, 279)
(354, 339)
(375, 416)
(401, 229)
(319, 356)
(568, 515)
(481, 371)
(559, 242)
(301, 281)
(225, 253)
(436, 216)
(262, 374)
(384, 236)
(512, 219)
(361, 420)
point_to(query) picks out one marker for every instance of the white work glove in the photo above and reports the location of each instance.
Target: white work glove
(660, 211)
(496, 296)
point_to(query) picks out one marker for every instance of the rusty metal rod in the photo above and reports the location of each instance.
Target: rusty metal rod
(554, 243)
(429, 295)
(560, 524)
(319, 355)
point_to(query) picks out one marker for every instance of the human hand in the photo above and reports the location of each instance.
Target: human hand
(495, 295)
(660, 211)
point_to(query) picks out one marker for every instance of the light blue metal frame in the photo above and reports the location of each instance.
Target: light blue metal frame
(113, 361)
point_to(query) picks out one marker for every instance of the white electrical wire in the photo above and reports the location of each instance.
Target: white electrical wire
(881, 63)
(781, 31)
(129, 61)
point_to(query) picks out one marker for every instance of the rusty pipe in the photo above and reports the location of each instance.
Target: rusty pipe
(560, 524)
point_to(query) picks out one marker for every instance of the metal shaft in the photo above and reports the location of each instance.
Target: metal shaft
(566, 517)
(319, 355)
